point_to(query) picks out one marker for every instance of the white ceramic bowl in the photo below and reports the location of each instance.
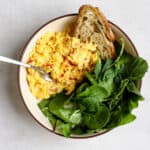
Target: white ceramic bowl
(57, 24)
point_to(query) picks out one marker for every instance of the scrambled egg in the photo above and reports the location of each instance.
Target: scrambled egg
(67, 60)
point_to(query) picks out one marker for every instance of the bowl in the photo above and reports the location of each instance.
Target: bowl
(57, 24)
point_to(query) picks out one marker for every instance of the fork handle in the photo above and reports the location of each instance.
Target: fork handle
(12, 61)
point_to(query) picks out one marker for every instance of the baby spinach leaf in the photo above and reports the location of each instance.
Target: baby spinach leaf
(127, 119)
(120, 75)
(128, 103)
(114, 100)
(133, 89)
(67, 115)
(90, 78)
(126, 116)
(94, 91)
(45, 111)
(106, 65)
(122, 87)
(56, 107)
(97, 120)
(64, 128)
(97, 68)
(89, 104)
(108, 81)
(121, 51)
(78, 130)
(52, 119)
(132, 102)
(115, 118)
(109, 85)
(122, 114)
(57, 101)
(109, 73)
(109, 63)
(43, 103)
(137, 68)
(61, 113)
(90, 98)
(75, 117)
(82, 87)
(125, 60)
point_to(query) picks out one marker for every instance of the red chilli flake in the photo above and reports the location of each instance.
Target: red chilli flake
(64, 57)
(56, 80)
(91, 65)
(71, 78)
(49, 65)
(72, 64)
(73, 51)
(30, 61)
(62, 75)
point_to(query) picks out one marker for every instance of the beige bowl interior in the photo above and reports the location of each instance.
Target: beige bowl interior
(58, 24)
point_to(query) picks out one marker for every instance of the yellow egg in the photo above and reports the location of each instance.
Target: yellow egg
(66, 58)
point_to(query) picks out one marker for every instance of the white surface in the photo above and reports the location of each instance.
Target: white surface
(18, 20)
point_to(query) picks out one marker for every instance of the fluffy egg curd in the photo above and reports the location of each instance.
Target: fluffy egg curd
(66, 58)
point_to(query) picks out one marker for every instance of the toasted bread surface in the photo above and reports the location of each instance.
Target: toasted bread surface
(92, 26)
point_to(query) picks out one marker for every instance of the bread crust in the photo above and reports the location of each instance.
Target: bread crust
(100, 16)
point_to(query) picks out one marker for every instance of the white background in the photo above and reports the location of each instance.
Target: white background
(18, 20)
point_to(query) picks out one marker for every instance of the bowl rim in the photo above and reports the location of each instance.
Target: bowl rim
(18, 74)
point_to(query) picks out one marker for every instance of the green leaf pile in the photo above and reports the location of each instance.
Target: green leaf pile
(104, 100)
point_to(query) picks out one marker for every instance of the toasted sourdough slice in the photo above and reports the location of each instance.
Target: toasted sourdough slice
(92, 26)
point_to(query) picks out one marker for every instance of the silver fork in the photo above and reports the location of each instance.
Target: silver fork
(40, 70)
